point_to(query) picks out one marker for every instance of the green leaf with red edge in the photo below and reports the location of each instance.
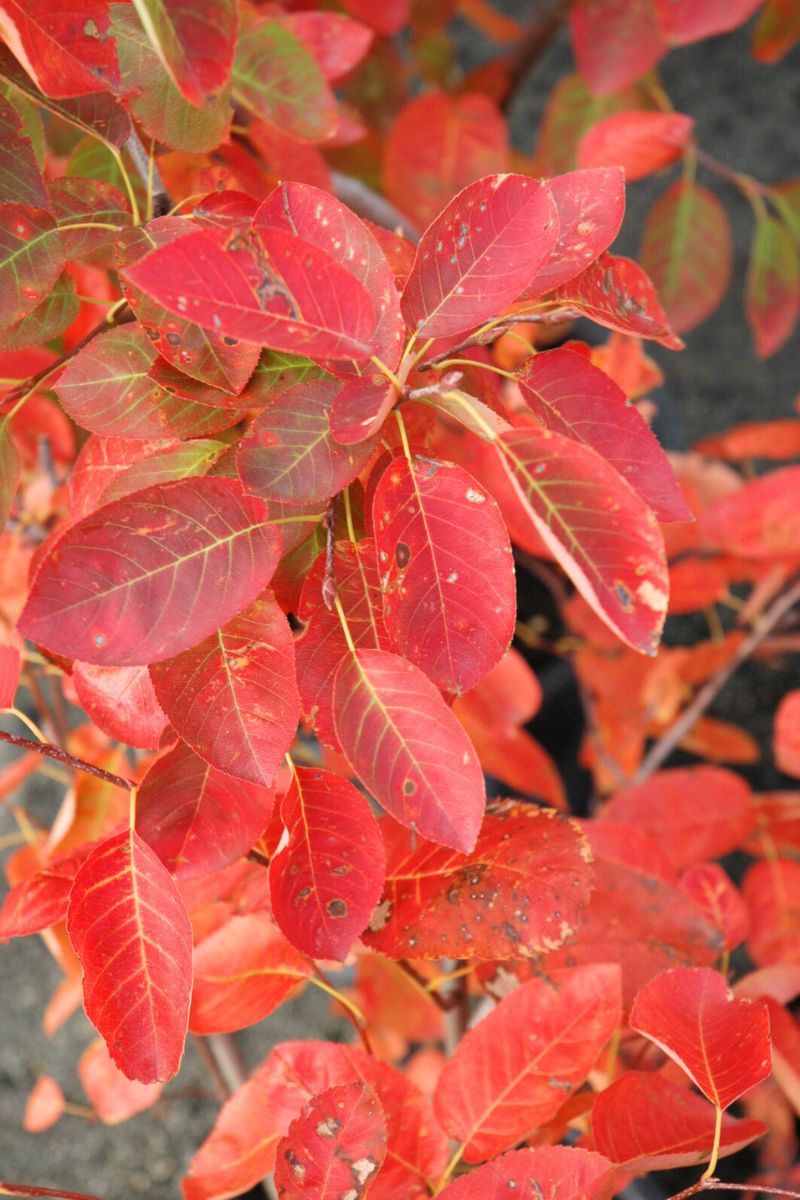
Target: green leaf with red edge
(684, 21)
(130, 929)
(289, 453)
(437, 145)
(233, 697)
(125, 586)
(645, 1122)
(112, 1095)
(100, 460)
(596, 527)
(278, 79)
(47, 321)
(327, 879)
(196, 818)
(186, 460)
(242, 972)
(121, 701)
(721, 1042)
(479, 253)
(67, 49)
(213, 358)
(590, 206)
(520, 892)
(554, 1172)
(337, 42)
(407, 747)
(31, 259)
(41, 900)
(617, 293)
(447, 573)
(687, 250)
(512, 1072)
(759, 520)
(571, 109)
(694, 813)
(571, 396)
(613, 43)
(321, 645)
(771, 891)
(195, 43)
(241, 1148)
(334, 1148)
(85, 202)
(641, 142)
(108, 388)
(776, 31)
(708, 886)
(20, 178)
(772, 288)
(268, 287)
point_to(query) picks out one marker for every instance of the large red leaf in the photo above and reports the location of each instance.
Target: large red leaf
(514, 1070)
(241, 1149)
(616, 292)
(150, 575)
(447, 574)
(615, 41)
(334, 1148)
(65, 48)
(479, 253)
(571, 396)
(198, 819)
(195, 42)
(721, 1042)
(268, 287)
(645, 1122)
(99, 462)
(596, 527)
(327, 879)
(641, 142)
(131, 932)
(551, 1172)
(520, 892)
(121, 702)
(408, 748)
(242, 972)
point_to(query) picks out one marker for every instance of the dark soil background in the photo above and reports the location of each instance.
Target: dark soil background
(749, 117)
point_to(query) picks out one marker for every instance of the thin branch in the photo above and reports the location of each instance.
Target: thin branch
(538, 37)
(77, 764)
(485, 337)
(716, 1185)
(25, 1189)
(148, 172)
(672, 738)
(376, 208)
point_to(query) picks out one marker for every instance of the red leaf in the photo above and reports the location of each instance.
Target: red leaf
(113, 1097)
(267, 287)
(552, 1172)
(596, 527)
(44, 1105)
(243, 972)
(447, 575)
(130, 929)
(645, 1122)
(616, 292)
(641, 142)
(326, 881)
(479, 253)
(786, 734)
(194, 43)
(337, 43)
(760, 520)
(126, 586)
(574, 398)
(776, 440)
(9, 674)
(686, 21)
(520, 892)
(707, 885)
(99, 462)
(772, 289)
(512, 1072)
(615, 41)
(233, 697)
(771, 891)
(65, 49)
(360, 407)
(722, 1043)
(334, 1148)
(408, 748)
(41, 900)
(121, 701)
(387, 18)
(198, 819)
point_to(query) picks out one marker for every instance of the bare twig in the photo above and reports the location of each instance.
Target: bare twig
(148, 172)
(716, 1185)
(50, 751)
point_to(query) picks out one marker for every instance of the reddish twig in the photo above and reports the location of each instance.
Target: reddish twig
(716, 1185)
(485, 337)
(24, 1189)
(48, 750)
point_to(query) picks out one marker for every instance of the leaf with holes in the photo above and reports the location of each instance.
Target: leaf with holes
(408, 748)
(479, 253)
(195, 43)
(721, 1042)
(772, 290)
(233, 696)
(520, 892)
(512, 1072)
(146, 577)
(31, 258)
(554, 1172)
(198, 819)
(131, 932)
(447, 574)
(334, 1148)
(66, 48)
(640, 142)
(617, 293)
(326, 881)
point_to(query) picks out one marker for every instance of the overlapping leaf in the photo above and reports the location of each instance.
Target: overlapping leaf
(121, 701)
(771, 891)
(194, 43)
(708, 886)
(65, 49)
(31, 258)
(20, 177)
(759, 520)
(48, 320)
(113, 1096)
(641, 142)
(616, 292)
(334, 1148)
(614, 43)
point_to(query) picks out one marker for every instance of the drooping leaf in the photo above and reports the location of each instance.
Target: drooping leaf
(520, 892)
(708, 886)
(121, 701)
(334, 1148)
(512, 1072)
(127, 586)
(20, 177)
(194, 43)
(772, 289)
(617, 293)
(571, 396)
(479, 253)
(641, 142)
(615, 43)
(645, 1122)
(198, 819)
(596, 527)
(131, 932)
(721, 1042)
(554, 1172)
(408, 748)
(771, 891)
(327, 879)
(113, 1096)
(31, 258)
(687, 250)
(67, 51)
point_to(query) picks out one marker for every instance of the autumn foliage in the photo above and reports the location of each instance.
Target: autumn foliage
(293, 394)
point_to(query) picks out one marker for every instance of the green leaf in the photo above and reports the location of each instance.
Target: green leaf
(772, 290)
(31, 259)
(47, 321)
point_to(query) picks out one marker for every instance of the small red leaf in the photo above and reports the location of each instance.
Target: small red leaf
(616, 292)
(641, 142)
(44, 1105)
(121, 701)
(707, 885)
(113, 1096)
(615, 43)
(786, 734)
(551, 1172)
(41, 900)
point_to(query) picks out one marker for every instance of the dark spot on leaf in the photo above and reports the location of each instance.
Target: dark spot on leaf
(337, 908)
(409, 787)
(174, 339)
(623, 595)
(401, 554)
